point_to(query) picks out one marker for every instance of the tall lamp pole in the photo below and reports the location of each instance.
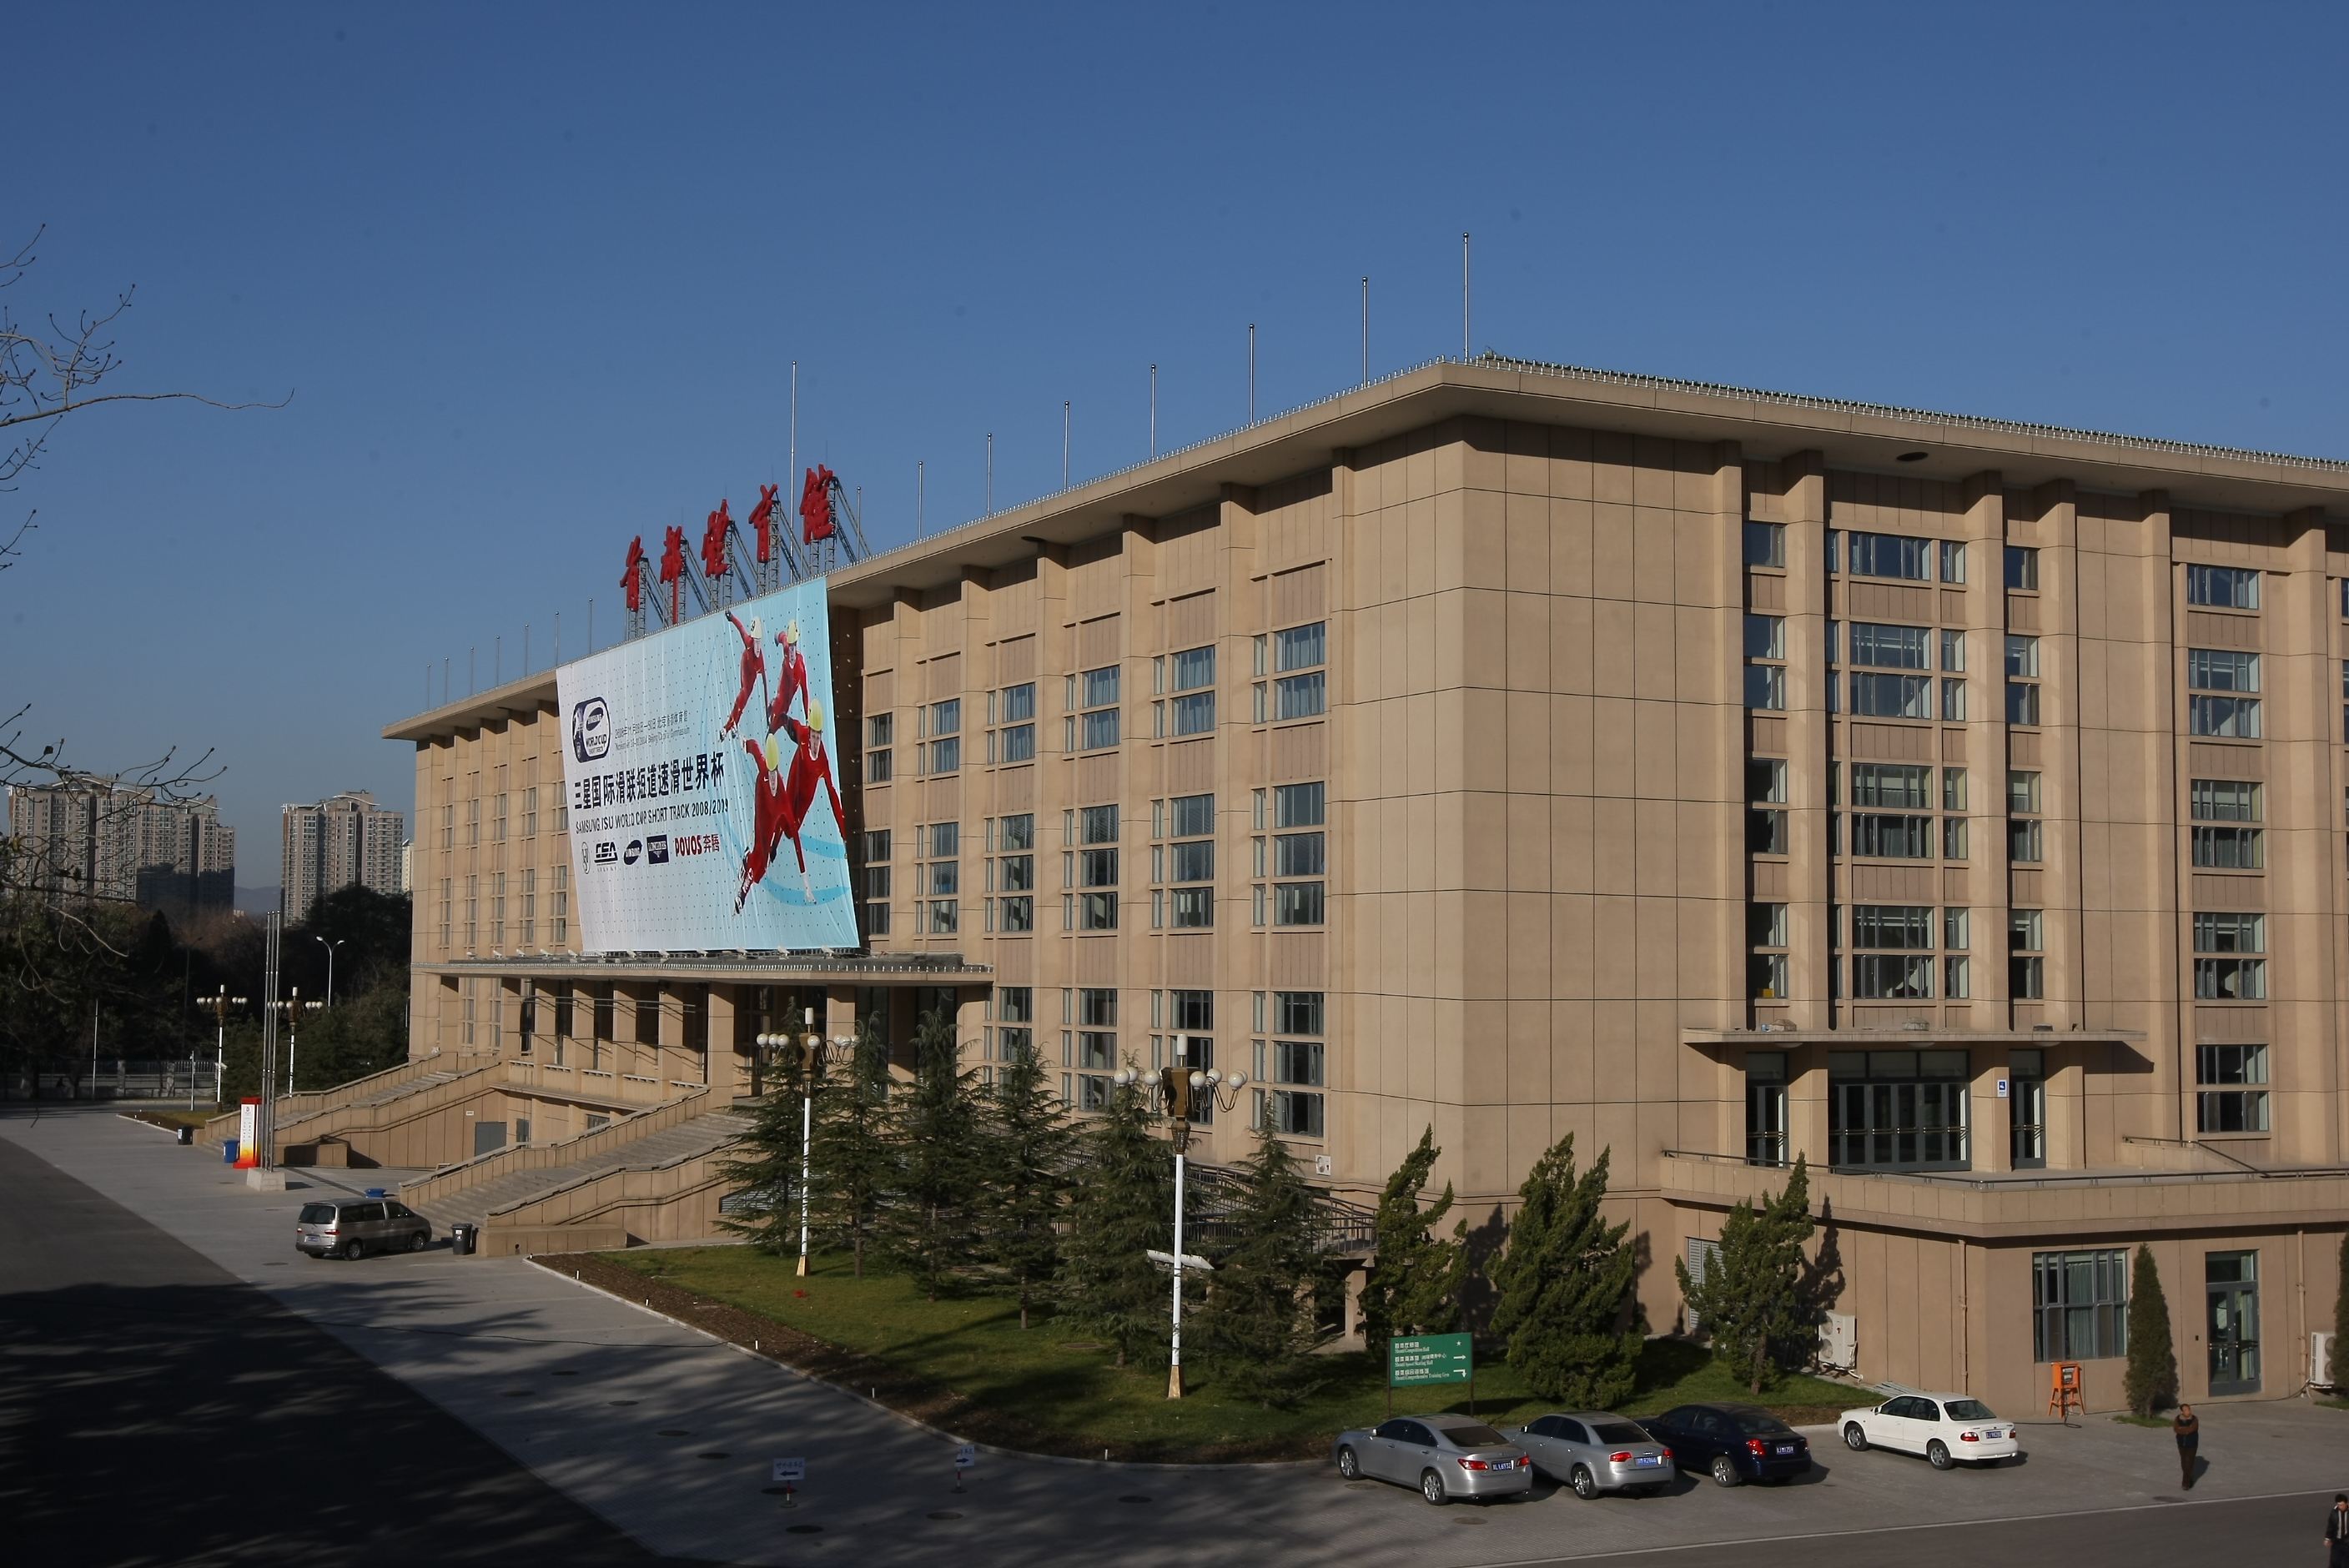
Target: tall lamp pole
(330, 947)
(218, 1006)
(810, 1047)
(1177, 1089)
(293, 1007)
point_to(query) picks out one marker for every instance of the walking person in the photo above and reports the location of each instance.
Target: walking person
(2187, 1430)
(2336, 1532)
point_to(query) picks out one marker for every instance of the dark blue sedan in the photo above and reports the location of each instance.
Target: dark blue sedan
(1732, 1442)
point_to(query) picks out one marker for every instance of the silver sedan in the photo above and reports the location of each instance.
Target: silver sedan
(1594, 1451)
(1443, 1455)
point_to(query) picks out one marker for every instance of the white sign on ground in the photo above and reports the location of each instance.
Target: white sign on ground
(791, 1469)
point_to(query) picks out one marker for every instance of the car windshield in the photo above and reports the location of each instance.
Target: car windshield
(1754, 1424)
(1619, 1432)
(318, 1215)
(1969, 1411)
(1475, 1436)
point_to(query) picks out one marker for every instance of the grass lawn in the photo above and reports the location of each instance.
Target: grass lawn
(1051, 1377)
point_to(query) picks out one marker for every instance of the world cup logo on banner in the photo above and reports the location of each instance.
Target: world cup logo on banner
(590, 730)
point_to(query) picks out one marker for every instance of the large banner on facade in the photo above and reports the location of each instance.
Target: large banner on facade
(697, 763)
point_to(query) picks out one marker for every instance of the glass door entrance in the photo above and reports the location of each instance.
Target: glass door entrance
(2231, 1284)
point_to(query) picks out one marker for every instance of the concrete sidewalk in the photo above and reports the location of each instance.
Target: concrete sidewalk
(668, 1434)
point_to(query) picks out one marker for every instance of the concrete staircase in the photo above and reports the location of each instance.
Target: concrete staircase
(651, 1177)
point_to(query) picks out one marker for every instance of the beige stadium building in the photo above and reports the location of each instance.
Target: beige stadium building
(1717, 776)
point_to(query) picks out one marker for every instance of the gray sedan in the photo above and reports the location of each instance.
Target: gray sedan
(1443, 1455)
(1594, 1451)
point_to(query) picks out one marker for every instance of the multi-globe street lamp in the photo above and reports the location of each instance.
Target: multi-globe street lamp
(218, 1006)
(810, 1047)
(1176, 1090)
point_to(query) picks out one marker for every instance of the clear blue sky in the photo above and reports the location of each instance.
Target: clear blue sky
(535, 275)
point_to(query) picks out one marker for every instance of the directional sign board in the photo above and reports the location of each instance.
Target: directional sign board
(1430, 1358)
(967, 1457)
(791, 1469)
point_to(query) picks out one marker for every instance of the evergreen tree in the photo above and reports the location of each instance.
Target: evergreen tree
(1414, 1281)
(1263, 1315)
(853, 1155)
(1752, 1298)
(1123, 1207)
(2340, 1321)
(1026, 1152)
(1563, 1285)
(927, 1216)
(766, 1170)
(2151, 1380)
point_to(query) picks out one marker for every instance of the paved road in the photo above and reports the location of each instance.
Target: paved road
(664, 1436)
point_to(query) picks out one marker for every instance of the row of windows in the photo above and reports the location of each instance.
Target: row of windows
(501, 817)
(518, 916)
(1091, 1049)
(1906, 558)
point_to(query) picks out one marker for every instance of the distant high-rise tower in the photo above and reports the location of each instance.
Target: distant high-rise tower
(95, 838)
(344, 840)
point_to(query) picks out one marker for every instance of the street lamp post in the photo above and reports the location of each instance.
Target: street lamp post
(293, 1007)
(1177, 1088)
(810, 1047)
(330, 947)
(218, 1006)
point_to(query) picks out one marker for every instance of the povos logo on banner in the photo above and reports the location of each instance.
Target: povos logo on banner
(704, 809)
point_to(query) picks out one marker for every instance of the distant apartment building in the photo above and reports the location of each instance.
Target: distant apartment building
(97, 839)
(341, 841)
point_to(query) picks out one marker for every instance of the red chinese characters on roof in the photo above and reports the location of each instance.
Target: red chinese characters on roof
(713, 543)
(673, 556)
(763, 519)
(633, 579)
(815, 504)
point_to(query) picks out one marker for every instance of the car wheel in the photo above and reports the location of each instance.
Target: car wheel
(420, 1240)
(353, 1250)
(1937, 1452)
(1430, 1487)
(1724, 1473)
(1349, 1465)
(1585, 1485)
(1855, 1437)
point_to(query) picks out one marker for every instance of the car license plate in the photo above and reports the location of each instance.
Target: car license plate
(1648, 1460)
(1785, 1447)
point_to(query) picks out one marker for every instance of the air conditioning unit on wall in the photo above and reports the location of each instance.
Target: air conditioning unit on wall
(2320, 1361)
(1839, 1344)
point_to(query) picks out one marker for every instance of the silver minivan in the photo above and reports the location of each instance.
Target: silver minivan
(354, 1227)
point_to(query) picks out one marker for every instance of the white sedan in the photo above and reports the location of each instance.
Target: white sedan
(1949, 1430)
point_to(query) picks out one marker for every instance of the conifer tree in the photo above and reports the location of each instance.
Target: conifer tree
(1751, 1298)
(1563, 1282)
(2151, 1380)
(853, 1155)
(926, 1215)
(766, 1171)
(1415, 1279)
(1026, 1153)
(1123, 1208)
(1263, 1315)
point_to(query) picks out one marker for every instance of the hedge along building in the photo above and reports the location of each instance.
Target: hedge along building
(1715, 775)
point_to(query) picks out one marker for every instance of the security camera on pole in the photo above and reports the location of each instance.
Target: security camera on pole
(1176, 1090)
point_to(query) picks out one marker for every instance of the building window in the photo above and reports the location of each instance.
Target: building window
(2226, 801)
(1765, 924)
(946, 840)
(1897, 1110)
(1299, 648)
(1096, 691)
(1765, 1108)
(1097, 1007)
(1953, 561)
(2025, 842)
(448, 900)
(528, 907)
(2228, 587)
(2027, 940)
(1957, 977)
(474, 822)
(1891, 696)
(1896, 927)
(1766, 687)
(1895, 785)
(1765, 636)
(1300, 697)
(530, 812)
(2022, 568)
(945, 755)
(1895, 975)
(1892, 556)
(2224, 1102)
(1887, 837)
(1766, 779)
(2212, 670)
(1765, 545)
(473, 912)
(1891, 647)
(562, 920)
(466, 1037)
(1766, 975)
(2079, 1305)
(497, 819)
(1297, 1011)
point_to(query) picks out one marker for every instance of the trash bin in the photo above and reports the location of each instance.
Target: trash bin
(228, 1151)
(460, 1239)
(187, 1135)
